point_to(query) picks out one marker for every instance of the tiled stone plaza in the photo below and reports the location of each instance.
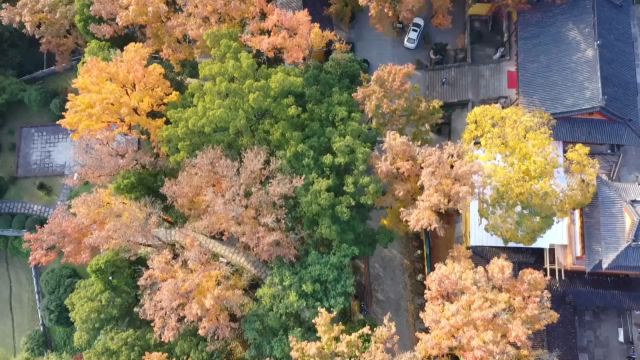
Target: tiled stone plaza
(44, 151)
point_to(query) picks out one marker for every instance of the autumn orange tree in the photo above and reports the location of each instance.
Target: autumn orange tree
(175, 29)
(423, 183)
(471, 312)
(385, 13)
(343, 11)
(334, 342)
(125, 96)
(394, 103)
(95, 222)
(287, 34)
(49, 21)
(479, 313)
(528, 180)
(99, 159)
(242, 200)
(192, 290)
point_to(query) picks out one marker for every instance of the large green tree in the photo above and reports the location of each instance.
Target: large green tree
(105, 300)
(117, 344)
(290, 298)
(57, 284)
(306, 117)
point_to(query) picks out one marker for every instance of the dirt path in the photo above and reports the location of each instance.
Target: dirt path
(388, 270)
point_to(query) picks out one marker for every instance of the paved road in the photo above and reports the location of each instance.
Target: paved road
(390, 290)
(380, 48)
(388, 266)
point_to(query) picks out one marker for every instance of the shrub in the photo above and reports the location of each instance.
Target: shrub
(79, 190)
(57, 284)
(16, 247)
(33, 343)
(4, 186)
(57, 105)
(33, 222)
(5, 221)
(11, 131)
(36, 98)
(62, 339)
(18, 222)
(44, 188)
(13, 147)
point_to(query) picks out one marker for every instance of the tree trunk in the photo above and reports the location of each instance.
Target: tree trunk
(234, 255)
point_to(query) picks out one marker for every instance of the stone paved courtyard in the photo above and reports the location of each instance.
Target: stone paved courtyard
(44, 151)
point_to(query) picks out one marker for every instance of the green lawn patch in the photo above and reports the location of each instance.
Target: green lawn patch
(21, 301)
(24, 189)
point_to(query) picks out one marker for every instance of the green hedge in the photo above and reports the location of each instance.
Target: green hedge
(5, 221)
(62, 339)
(19, 221)
(16, 247)
(32, 222)
(33, 343)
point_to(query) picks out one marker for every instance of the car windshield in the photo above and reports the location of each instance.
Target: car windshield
(416, 26)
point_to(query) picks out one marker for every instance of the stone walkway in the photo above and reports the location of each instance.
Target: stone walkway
(23, 207)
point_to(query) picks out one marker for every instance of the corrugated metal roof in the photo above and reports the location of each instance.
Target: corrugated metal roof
(577, 57)
(595, 131)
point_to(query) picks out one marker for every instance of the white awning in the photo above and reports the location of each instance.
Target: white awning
(558, 234)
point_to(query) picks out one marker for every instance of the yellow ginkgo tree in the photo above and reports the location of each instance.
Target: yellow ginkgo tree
(124, 95)
(528, 181)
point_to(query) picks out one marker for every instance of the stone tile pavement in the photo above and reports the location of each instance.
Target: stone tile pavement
(22, 207)
(44, 151)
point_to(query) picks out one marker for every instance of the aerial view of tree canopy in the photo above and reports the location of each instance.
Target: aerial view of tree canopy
(305, 117)
(221, 171)
(522, 192)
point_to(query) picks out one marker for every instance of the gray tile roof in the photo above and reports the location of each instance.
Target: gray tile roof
(563, 71)
(595, 131)
(291, 5)
(609, 246)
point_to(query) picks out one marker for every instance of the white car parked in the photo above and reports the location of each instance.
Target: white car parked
(413, 35)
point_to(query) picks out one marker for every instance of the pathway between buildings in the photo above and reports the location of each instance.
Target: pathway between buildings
(468, 82)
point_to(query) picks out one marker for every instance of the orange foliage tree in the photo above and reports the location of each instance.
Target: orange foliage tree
(174, 29)
(50, 21)
(423, 182)
(192, 290)
(242, 200)
(124, 95)
(393, 102)
(155, 356)
(479, 313)
(95, 222)
(385, 13)
(282, 33)
(99, 159)
(365, 344)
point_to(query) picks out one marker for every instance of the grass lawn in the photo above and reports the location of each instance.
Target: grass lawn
(60, 82)
(22, 301)
(24, 188)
